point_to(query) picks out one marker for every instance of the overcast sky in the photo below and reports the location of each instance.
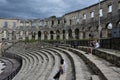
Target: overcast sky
(28, 9)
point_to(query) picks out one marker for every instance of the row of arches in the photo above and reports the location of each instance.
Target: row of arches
(57, 34)
(64, 34)
(76, 33)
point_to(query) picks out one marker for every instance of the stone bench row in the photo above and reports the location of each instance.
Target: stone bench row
(55, 65)
(10, 69)
(34, 63)
(27, 59)
(78, 72)
(57, 60)
(113, 56)
(69, 74)
(46, 75)
(26, 64)
(101, 69)
(2, 66)
(33, 53)
(48, 68)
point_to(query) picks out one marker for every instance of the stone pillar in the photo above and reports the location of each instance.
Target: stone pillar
(5, 34)
(42, 36)
(30, 37)
(81, 35)
(36, 37)
(26, 34)
(17, 36)
(66, 35)
(73, 34)
(10, 36)
(104, 33)
(23, 37)
(48, 36)
(54, 36)
(61, 36)
(87, 35)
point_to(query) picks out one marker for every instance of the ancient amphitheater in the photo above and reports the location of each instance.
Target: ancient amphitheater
(32, 49)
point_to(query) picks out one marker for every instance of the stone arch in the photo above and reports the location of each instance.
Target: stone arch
(51, 35)
(63, 34)
(39, 34)
(108, 29)
(90, 28)
(13, 35)
(118, 24)
(70, 34)
(109, 26)
(96, 27)
(57, 34)
(33, 35)
(77, 33)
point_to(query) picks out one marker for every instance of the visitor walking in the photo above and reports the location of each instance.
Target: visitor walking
(61, 71)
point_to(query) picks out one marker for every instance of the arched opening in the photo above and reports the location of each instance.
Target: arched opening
(58, 34)
(33, 35)
(70, 34)
(13, 35)
(51, 35)
(26, 35)
(118, 24)
(63, 34)
(90, 28)
(39, 34)
(76, 33)
(109, 27)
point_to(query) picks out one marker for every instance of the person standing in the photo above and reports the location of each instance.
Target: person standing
(61, 71)
(97, 45)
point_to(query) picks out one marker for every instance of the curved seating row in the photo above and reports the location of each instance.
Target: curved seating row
(2, 66)
(26, 55)
(98, 66)
(79, 73)
(32, 65)
(52, 64)
(10, 69)
(55, 65)
(69, 71)
(42, 64)
(113, 56)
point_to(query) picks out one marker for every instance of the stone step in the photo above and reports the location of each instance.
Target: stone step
(110, 55)
(95, 77)
(27, 66)
(104, 71)
(78, 70)
(37, 62)
(48, 67)
(68, 74)
(10, 66)
(56, 64)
